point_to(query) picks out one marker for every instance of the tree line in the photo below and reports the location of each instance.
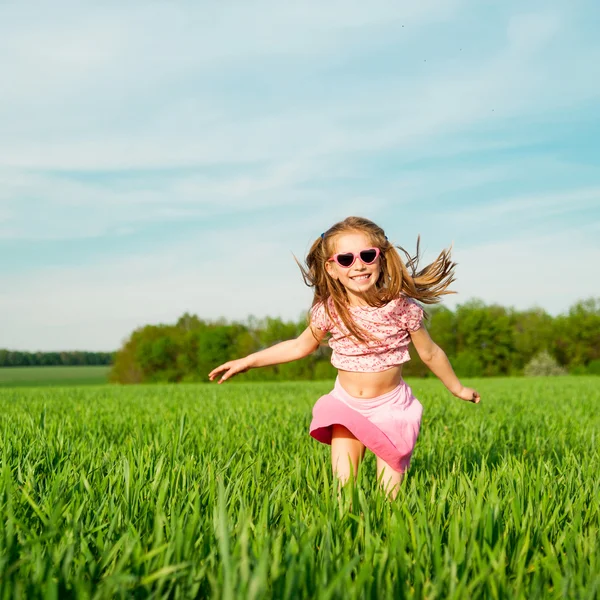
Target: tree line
(14, 358)
(479, 339)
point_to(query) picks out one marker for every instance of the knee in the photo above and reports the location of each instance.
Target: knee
(343, 465)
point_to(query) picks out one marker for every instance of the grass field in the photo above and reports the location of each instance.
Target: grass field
(218, 491)
(52, 376)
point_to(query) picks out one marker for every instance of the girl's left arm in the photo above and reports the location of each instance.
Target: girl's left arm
(435, 358)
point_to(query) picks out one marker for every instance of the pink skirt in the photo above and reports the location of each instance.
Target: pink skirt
(388, 425)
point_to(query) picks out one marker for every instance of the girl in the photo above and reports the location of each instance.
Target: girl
(365, 299)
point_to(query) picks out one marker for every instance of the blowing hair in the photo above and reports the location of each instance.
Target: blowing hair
(397, 277)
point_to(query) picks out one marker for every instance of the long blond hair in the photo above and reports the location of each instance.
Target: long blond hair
(396, 276)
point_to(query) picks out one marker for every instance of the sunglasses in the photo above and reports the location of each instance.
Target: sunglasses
(347, 259)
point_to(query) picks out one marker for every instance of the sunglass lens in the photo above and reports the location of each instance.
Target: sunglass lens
(345, 259)
(368, 256)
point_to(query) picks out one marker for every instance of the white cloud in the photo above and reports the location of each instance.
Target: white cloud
(539, 205)
(548, 271)
(532, 31)
(243, 272)
(156, 92)
(62, 208)
(57, 207)
(231, 274)
(265, 105)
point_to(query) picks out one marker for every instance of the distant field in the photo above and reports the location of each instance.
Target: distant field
(53, 376)
(207, 491)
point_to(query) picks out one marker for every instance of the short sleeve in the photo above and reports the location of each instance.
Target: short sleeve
(319, 318)
(409, 314)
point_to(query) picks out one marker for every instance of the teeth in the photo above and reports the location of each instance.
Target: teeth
(357, 277)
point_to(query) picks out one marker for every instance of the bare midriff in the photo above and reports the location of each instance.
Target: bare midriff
(370, 385)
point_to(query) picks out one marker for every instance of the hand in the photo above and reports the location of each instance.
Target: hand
(469, 395)
(229, 369)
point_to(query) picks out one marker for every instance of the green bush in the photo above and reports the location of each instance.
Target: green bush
(543, 364)
(593, 367)
(468, 364)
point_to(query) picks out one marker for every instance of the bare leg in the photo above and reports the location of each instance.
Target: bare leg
(343, 446)
(390, 479)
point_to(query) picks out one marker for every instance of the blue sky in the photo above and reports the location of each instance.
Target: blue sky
(157, 158)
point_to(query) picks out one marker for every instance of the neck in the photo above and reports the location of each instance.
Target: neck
(355, 299)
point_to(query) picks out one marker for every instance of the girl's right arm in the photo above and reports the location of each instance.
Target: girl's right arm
(306, 343)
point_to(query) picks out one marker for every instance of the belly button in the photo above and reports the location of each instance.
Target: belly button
(360, 393)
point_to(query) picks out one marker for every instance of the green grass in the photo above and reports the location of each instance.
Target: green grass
(53, 376)
(218, 491)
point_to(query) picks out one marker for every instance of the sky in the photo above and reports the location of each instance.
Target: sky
(158, 158)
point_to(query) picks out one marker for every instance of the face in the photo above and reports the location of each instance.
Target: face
(360, 277)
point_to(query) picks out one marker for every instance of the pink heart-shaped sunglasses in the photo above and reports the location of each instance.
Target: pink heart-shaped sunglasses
(347, 259)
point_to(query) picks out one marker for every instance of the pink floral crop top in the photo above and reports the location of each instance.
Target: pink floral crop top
(391, 324)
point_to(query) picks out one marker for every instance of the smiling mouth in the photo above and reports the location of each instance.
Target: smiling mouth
(361, 277)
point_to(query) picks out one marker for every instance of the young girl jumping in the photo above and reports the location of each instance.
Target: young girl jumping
(365, 299)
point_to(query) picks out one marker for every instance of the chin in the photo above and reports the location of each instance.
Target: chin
(364, 288)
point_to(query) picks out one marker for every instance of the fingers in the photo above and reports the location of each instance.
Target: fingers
(470, 395)
(228, 370)
(230, 373)
(220, 369)
(216, 371)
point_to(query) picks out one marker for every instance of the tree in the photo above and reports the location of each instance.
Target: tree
(479, 340)
(533, 332)
(577, 334)
(442, 327)
(487, 332)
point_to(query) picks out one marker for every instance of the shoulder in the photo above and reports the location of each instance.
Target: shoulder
(408, 312)
(319, 317)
